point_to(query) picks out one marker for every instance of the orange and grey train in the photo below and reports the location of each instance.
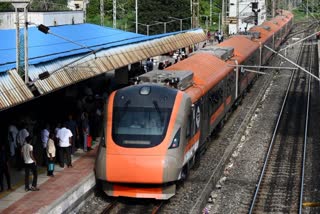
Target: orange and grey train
(156, 130)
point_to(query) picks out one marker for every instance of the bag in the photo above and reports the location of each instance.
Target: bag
(89, 141)
(51, 167)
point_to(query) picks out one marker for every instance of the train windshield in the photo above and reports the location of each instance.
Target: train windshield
(140, 126)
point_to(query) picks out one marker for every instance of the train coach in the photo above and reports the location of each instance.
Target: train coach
(155, 131)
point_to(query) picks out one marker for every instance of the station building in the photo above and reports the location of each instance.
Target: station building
(244, 14)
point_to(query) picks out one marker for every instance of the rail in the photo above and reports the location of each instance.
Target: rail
(305, 136)
(274, 141)
(109, 207)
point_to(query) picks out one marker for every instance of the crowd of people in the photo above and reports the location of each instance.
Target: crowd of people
(34, 142)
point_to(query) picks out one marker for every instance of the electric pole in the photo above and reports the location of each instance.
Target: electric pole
(223, 13)
(195, 13)
(210, 13)
(274, 3)
(21, 37)
(102, 12)
(136, 7)
(85, 11)
(114, 13)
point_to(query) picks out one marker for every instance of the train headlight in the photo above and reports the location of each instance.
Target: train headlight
(176, 140)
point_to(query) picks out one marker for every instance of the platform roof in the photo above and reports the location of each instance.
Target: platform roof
(69, 63)
(47, 47)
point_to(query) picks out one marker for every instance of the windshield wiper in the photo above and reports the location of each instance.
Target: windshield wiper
(158, 110)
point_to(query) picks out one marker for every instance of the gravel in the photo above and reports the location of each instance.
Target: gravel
(235, 193)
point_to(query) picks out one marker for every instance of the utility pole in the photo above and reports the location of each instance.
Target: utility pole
(85, 11)
(102, 12)
(114, 13)
(195, 13)
(274, 3)
(210, 13)
(136, 16)
(21, 37)
(307, 9)
(223, 15)
(191, 12)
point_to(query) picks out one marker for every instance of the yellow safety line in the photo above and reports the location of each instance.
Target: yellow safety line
(311, 204)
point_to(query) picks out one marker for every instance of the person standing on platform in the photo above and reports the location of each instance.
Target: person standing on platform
(12, 139)
(56, 142)
(220, 38)
(149, 65)
(44, 140)
(51, 154)
(29, 164)
(216, 37)
(208, 36)
(72, 125)
(21, 140)
(4, 167)
(64, 137)
(85, 130)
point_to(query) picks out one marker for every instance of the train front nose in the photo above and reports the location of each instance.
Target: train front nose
(147, 169)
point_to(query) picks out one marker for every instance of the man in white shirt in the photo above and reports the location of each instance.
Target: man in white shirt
(21, 140)
(29, 164)
(64, 137)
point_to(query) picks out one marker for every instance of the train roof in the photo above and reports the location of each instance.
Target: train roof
(243, 47)
(208, 70)
(268, 28)
(265, 33)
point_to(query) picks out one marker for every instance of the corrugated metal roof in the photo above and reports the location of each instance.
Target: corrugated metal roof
(107, 60)
(13, 90)
(46, 47)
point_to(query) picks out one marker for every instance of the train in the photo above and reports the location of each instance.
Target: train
(156, 130)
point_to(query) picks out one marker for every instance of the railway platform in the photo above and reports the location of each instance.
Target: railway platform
(59, 194)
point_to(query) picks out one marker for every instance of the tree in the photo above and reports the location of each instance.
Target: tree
(6, 7)
(151, 12)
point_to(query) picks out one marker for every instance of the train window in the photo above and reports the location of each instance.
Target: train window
(230, 84)
(139, 126)
(215, 98)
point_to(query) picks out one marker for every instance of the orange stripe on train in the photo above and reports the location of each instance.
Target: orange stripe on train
(228, 100)
(191, 142)
(217, 114)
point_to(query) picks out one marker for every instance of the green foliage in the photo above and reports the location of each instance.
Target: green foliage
(48, 5)
(299, 15)
(149, 13)
(93, 11)
(154, 12)
(39, 5)
(6, 7)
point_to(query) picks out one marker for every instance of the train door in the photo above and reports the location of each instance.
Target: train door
(197, 119)
(205, 119)
(229, 91)
(215, 105)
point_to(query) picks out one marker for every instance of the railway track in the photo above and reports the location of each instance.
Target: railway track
(280, 186)
(143, 206)
(311, 203)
